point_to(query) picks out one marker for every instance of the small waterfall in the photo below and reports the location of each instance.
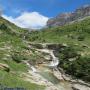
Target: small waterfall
(33, 69)
(55, 60)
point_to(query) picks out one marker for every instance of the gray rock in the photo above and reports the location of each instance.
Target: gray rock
(80, 87)
(67, 18)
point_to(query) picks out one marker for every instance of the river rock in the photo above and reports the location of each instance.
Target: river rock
(80, 87)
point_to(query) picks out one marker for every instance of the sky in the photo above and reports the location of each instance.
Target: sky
(35, 13)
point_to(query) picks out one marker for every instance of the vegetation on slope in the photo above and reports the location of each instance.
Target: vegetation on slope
(75, 32)
(75, 59)
(13, 51)
(74, 64)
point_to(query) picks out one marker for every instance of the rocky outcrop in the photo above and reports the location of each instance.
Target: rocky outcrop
(66, 18)
(80, 87)
(4, 67)
(54, 46)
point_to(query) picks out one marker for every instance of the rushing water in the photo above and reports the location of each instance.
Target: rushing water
(50, 77)
(54, 61)
(31, 67)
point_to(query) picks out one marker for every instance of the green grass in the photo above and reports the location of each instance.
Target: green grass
(60, 34)
(17, 66)
(11, 80)
(11, 37)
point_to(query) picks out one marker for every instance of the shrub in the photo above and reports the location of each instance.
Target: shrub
(81, 38)
(17, 57)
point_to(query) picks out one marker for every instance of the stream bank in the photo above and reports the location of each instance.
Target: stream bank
(52, 77)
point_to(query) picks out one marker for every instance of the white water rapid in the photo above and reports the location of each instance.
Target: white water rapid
(55, 60)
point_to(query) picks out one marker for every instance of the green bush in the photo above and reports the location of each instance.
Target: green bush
(79, 68)
(17, 57)
(81, 38)
(3, 27)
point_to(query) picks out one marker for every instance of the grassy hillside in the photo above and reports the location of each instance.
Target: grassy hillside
(75, 58)
(13, 50)
(68, 33)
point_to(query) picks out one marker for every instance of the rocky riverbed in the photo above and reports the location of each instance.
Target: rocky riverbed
(46, 73)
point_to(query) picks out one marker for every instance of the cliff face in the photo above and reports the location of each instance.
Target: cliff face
(66, 18)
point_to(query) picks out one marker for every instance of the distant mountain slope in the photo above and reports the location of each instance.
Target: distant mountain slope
(66, 33)
(66, 18)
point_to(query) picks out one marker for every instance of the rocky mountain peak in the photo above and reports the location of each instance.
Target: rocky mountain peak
(66, 18)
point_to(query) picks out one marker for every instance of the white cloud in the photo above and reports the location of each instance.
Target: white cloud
(32, 20)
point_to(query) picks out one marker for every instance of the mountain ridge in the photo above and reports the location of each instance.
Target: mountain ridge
(66, 18)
